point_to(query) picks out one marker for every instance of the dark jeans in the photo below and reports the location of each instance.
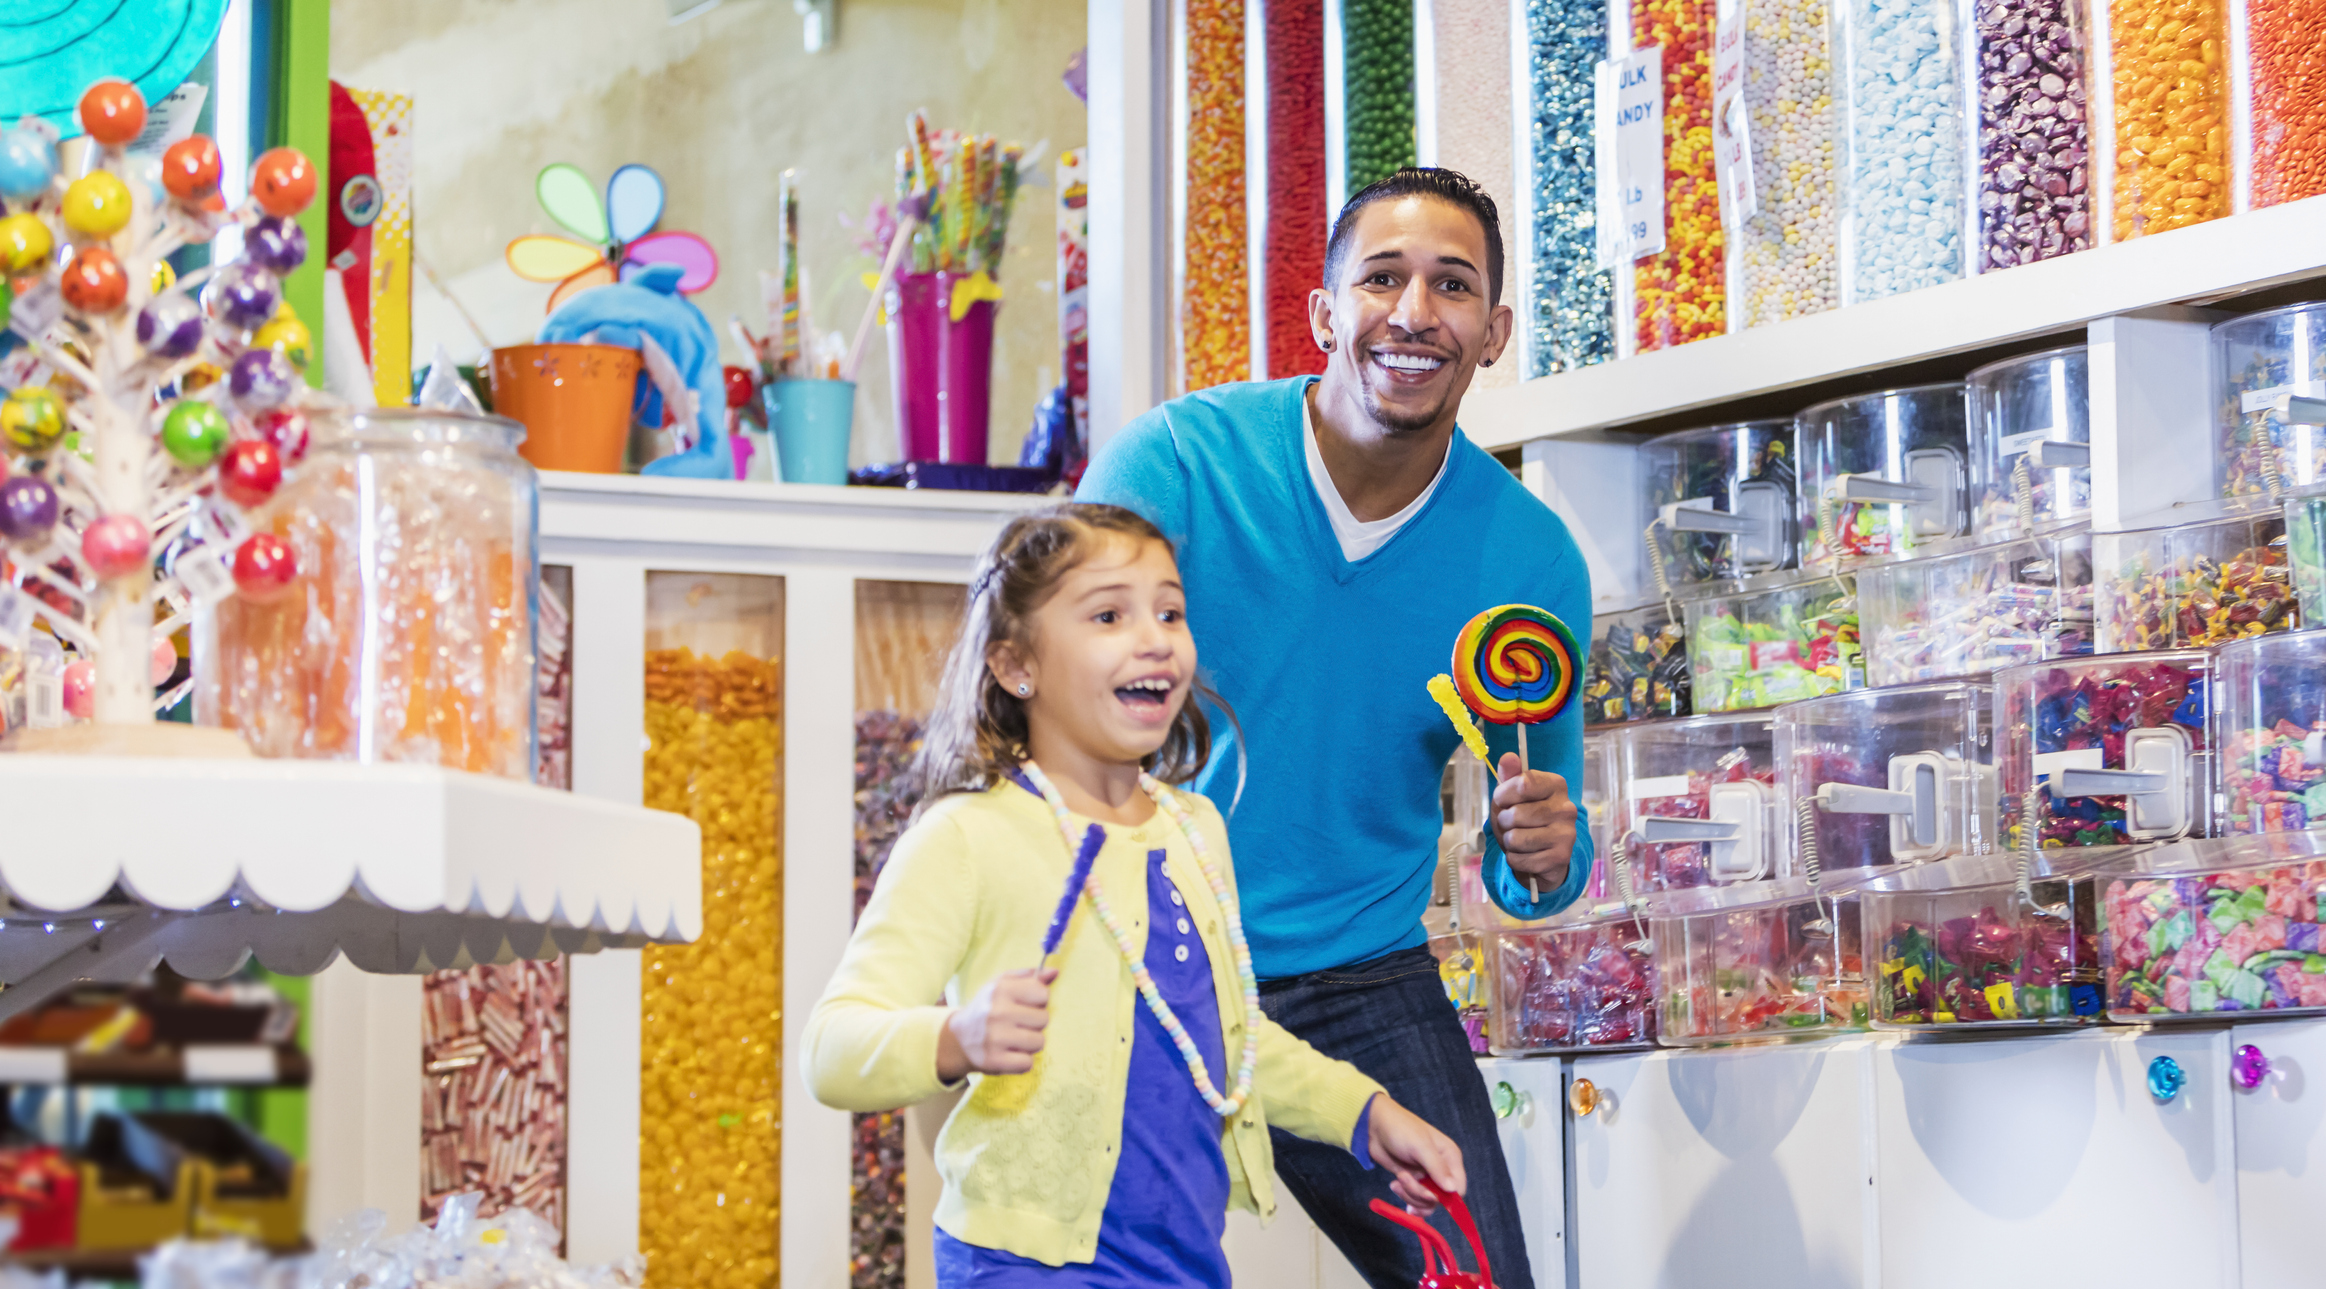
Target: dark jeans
(1390, 1018)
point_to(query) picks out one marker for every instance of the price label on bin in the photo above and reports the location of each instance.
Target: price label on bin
(1628, 99)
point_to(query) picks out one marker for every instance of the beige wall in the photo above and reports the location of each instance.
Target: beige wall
(719, 104)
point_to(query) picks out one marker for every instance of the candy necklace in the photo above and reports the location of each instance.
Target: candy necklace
(1169, 802)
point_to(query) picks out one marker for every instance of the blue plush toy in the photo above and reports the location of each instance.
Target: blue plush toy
(649, 305)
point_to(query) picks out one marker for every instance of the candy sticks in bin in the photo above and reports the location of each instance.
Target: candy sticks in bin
(1513, 665)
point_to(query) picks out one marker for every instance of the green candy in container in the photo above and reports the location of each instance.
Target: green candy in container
(2216, 929)
(1762, 648)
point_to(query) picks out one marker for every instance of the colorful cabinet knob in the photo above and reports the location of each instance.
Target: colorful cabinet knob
(1510, 1103)
(2248, 1067)
(1582, 1097)
(2165, 1078)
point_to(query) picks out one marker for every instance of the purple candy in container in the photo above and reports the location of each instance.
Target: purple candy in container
(2108, 750)
(1698, 801)
(1967, 612)
(2032, 191)
(2270, 707)
(2005, 940)
(2030, 434)
(1876, 777)
(2215, 929)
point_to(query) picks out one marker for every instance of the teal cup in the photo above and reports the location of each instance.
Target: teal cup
(811, 420)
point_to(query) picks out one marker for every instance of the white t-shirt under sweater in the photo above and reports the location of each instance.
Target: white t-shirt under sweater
(1358, 537)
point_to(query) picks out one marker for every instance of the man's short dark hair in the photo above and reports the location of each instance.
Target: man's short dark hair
(1421, 181)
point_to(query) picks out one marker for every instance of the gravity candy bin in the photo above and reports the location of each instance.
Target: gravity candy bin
(2260, 360)
(2203, 582)
(1723, 503)
(1759, 960)
(1764, 647)
(2216, 929)
(1984, 941)
(1637, 667)
(2031, 433)
(1876, 777)
(2270, 705)
(2109, 750)
(1880, 474)
(1698, 804)
(1966, 613)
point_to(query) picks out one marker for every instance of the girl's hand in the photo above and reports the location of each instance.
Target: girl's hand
(1411, 1149)
(999, 1030)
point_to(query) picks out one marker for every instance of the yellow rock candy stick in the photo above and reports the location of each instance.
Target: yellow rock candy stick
(1442, 689)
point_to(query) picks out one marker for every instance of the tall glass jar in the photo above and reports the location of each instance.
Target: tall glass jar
(2170, 79)
(1783, 258)
(1903, 141)
(408, 634)
(2033, 145)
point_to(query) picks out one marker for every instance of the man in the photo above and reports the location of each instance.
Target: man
(1335, 534)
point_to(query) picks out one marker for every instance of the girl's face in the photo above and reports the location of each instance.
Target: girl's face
(1112, 659)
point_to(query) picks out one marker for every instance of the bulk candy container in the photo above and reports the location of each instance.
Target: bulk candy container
(2305, 515)
(2216, 929)
(1761, 960)
(2170, 74)
(1698, 801)
(1596, 796)
(1637, 668)
(1965, 943)
(1877, 777)
(1880, 474)
(2259, 361)
(1784, 257)
(1903, 139)
(1965, 613)
(1678, 294)
(1462, 969)
(408, 635)
(2270, 703)
(1723, 500)
(2193, 584)
(1582, 982)
(2113, 748)
(2031, 430)
(2033, 136)
(1570, 297)
(2286, 156)
(1760, 648)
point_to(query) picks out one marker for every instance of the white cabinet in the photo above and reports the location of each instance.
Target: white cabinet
(1529, 1098)
(1725, 1168)
(2003, 1157)
(2281, 1161)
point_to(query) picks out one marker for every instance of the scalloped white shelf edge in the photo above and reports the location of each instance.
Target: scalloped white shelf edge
(301, 837)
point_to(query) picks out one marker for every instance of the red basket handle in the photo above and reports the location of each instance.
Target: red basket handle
(1469, 1228)
(1430, 1239)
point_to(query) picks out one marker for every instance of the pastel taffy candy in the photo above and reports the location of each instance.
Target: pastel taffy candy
(2206, 943)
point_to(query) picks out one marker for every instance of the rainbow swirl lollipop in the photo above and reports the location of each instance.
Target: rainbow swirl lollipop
(1516, 665)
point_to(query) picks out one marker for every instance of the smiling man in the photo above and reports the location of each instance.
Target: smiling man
(1334, 534)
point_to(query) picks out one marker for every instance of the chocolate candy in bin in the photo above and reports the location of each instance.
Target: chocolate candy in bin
(2206, 928)
(1960, 943)
(2034, 130)
(1638, 667)
(1578, 986)
(1881, 474)
(2194, 584)
(2271, 693)
(2259, 360)
(1759, 961)
(1723, 502)
(1966, 613)
(1899, 775)
(1761, 648)
(1698, 802)
(2072, 729)
(2031, 430)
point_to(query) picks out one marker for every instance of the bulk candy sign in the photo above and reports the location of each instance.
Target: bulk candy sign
(1628, 96)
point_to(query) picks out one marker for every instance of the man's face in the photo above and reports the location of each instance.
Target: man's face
(1409, 315)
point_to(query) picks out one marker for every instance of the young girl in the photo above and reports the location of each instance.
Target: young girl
(1120, 1095)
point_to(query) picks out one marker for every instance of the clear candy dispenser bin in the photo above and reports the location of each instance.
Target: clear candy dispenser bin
(1881, 474)
(1699, 801)
(1761, 648)
(1759, 960)
(2207, 581)
(2031, 456)
(1638, 666)
(2108, 750)
(2216, 929)
(1877, 777)
(1966, 613)
(2270, 706)
(2271, 369)
(1723, 503)
(1984, 941)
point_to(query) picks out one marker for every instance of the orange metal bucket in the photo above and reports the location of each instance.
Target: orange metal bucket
(574, 401)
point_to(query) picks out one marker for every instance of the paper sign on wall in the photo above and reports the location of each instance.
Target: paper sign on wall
(1732, 144)
(1628, 96)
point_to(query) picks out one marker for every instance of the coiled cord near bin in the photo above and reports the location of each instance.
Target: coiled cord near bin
(1812, 865)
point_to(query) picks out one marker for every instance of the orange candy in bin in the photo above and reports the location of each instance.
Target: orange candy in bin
(407, 634)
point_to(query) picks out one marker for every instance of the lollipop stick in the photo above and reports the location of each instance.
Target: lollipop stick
(1531, 892)
(897, 245)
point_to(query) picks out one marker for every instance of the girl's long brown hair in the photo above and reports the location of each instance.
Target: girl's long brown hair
(978, 731)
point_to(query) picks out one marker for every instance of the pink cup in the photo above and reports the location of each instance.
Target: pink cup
(916, 363)
(968, 392)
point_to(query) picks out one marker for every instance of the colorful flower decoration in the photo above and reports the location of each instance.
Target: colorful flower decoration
(617, 235)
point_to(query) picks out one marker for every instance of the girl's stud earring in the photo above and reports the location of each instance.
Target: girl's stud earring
(1024, 690)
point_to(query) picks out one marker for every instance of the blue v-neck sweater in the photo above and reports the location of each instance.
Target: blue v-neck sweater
(1327, 663)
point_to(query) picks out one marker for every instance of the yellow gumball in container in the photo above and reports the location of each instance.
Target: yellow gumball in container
(97, 205)
(164, 277)
(25, 242)
(32, 419)
(286, 333)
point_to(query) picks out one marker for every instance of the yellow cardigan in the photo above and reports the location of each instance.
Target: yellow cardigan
(1027, 1159)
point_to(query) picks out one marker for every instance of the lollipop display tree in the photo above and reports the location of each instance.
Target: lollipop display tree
(145, 413)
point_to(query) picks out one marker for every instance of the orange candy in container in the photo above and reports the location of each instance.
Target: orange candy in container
(408, 633)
